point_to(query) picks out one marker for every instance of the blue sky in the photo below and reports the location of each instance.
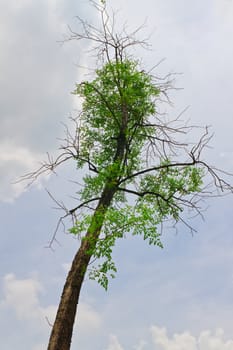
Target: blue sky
(172, 299)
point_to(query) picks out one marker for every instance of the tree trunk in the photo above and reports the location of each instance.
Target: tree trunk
(61, 335)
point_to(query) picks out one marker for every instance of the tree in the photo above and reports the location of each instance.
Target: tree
(138, 173)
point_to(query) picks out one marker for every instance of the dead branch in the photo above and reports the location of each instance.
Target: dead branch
(160, 146)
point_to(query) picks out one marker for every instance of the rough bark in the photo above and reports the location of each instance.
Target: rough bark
(61, 334)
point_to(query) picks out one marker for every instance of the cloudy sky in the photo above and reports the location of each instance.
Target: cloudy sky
(177, 298)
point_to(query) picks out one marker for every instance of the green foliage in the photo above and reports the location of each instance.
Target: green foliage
(117, 106)
(81, 225)
(171, 181)
(118, 86)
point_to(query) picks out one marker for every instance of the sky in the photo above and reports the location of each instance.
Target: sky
(176, 298)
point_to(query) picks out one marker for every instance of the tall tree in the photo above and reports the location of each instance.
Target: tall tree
(138, 172)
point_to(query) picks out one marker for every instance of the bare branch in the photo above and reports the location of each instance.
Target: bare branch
(83, 204)
(68, 213)
(49, 323)
(107, 43)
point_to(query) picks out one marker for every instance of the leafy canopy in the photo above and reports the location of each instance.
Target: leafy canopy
(119, 108)
(117, 86)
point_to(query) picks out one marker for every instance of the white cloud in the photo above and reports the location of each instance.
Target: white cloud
(207, 340)
(16, 161)
(114, 343)
(22, 296)
(182, 341)
(37, 76)
(141, 345)
(88, 318)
